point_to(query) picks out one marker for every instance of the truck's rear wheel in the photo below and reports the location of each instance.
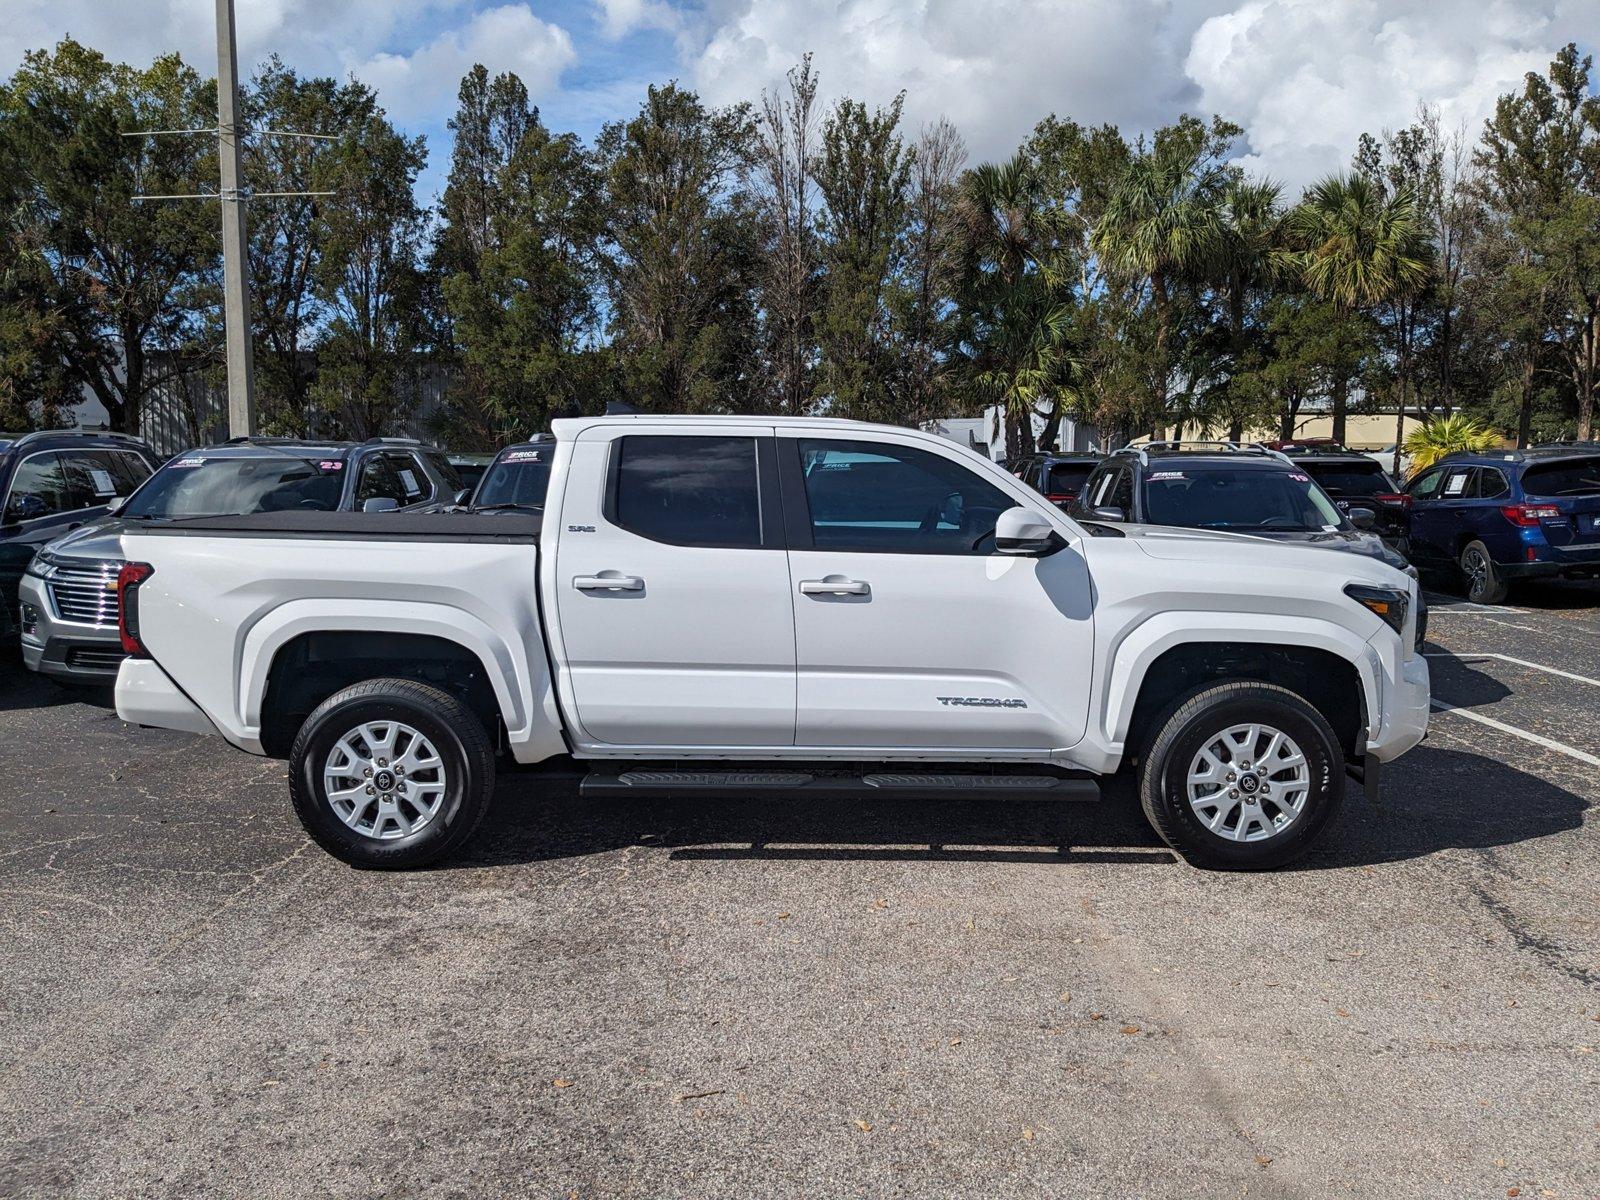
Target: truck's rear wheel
(1242, 776)
(391, 773)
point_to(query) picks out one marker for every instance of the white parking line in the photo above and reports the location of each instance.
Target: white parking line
(1521, 662)
(1525, 735)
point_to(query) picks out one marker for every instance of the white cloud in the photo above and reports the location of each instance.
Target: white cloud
(621, 17)
(422, 85)
(1304, 77)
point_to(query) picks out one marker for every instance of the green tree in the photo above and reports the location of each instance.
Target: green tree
(1015, 296)
(1246, 267)
(863, 173)
(120, 291)
(922, 302)
(1357, 248)
(369, 281)
(683, 258)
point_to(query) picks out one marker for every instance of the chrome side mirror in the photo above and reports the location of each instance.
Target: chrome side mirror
(1362, 518)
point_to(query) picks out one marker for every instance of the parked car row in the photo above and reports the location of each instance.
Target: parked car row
(1484, 519)
(69, 496)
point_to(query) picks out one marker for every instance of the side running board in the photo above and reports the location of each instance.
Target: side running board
(687, 785)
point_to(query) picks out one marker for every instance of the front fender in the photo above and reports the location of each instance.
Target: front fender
(1132, 655)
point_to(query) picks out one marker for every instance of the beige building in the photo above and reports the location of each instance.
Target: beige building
(1362, 431)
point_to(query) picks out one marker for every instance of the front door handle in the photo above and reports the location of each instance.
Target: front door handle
(608, 581)
(834, 585)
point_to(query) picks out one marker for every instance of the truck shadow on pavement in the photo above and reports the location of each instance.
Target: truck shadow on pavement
(1437, 800)
(21, 688)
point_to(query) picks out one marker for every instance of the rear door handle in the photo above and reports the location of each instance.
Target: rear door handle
(608, 581)
(834, 585)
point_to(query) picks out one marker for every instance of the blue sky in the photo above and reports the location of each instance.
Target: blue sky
(1303, 77)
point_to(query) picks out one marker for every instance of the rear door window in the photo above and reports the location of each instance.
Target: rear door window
(1566, 477)
(687, 491)
(1349, 479)
(414, 481)
(379, 480)
(1067, 478)
(1457, 484)
(127, 470)
(1491, 484)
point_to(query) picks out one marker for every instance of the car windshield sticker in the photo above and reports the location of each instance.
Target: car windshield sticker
(1165, 475)
(1456, 484)
(102, 482)
(410, 482)
(190, 462)
(522, 456)
(1299, 478)
(332, 464)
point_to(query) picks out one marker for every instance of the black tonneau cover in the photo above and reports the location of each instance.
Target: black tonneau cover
(504, 526)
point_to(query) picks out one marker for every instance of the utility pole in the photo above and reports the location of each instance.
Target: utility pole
(233, 194)
(235, 239)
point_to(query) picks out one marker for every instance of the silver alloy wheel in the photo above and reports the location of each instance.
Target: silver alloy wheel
(384, 780)
(1249, 783)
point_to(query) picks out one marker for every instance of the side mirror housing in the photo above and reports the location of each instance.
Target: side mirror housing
(1107, 512)
(114, 505)
(1022, 531)
(1362, 518)
(461, 497)
(380, 504)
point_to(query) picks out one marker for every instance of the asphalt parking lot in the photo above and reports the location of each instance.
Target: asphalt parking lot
(731, 999)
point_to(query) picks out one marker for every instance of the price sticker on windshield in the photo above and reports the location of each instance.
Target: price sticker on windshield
(331, 465)
(523, 456)
(190, 462)
(1156, 476)
(1299, 478)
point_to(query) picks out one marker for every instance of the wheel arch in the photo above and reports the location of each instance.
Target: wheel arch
(1330, 667)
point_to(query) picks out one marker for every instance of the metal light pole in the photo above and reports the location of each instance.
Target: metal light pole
(235, 241)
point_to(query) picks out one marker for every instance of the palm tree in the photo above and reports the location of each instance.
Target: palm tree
(1160, 228)
(1428, 443)
(1250, 229)
(1358, 247)
(1016, 302)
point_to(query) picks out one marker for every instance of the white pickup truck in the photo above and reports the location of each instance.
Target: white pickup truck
(744, 606)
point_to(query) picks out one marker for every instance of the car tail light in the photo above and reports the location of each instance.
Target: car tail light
(128, 581)
(1061, 497)
(1527, 516)
(1400, 498)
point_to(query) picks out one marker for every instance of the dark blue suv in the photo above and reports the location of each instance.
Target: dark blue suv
(1504, 515)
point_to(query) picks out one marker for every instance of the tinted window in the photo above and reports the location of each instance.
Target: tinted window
(446, 471)
(1120, 493)
(415, 483)
(689, 491)
(128, 471)
(1491, 484)
(873, 496)
(193, 485)
(1427, 486)
(381, 481)
(38, 488)
(1569, 477)
(1222, 497)
(1066, 478)
(1349, 479)
(1457, 484)
(520, 477)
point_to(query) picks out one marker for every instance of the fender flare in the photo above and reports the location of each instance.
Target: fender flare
(507, 676)
(1131, 657)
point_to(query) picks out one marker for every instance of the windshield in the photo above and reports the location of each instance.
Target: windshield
(521, 477)
(1350, 479)
(1568, 477)
(195, 486)
(1225, 497)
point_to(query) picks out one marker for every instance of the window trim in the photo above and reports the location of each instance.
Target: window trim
(770, 510)
(797, 502)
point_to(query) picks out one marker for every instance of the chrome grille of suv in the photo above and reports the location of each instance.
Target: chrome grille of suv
(85, 591)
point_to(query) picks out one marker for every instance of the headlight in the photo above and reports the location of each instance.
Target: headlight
(1387, 604)
(42, 566)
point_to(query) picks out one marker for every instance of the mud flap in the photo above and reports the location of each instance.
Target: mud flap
(1366, 771)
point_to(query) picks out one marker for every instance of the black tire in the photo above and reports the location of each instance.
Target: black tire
(454, 731)
(1481, 579)
(1195, 720)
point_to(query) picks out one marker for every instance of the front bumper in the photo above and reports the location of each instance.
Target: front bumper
(69, 651)
(1406, 698)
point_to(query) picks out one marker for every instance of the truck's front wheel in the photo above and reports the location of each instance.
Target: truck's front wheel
(1242, 776)
(391, 773)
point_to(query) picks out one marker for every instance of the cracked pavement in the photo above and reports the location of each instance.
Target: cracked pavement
(736, 999)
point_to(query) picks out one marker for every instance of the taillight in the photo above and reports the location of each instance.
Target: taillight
(1528, 516)
(1061, 497)
(1400, 498)
(128, 581)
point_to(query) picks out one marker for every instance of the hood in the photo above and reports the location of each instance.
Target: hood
(1370, 561)
(98, 539)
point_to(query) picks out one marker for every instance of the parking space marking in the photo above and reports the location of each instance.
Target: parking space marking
(1526, 735)
(1443, 604)
(1521, 662)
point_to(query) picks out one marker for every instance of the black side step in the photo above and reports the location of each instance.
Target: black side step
(690, 784)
